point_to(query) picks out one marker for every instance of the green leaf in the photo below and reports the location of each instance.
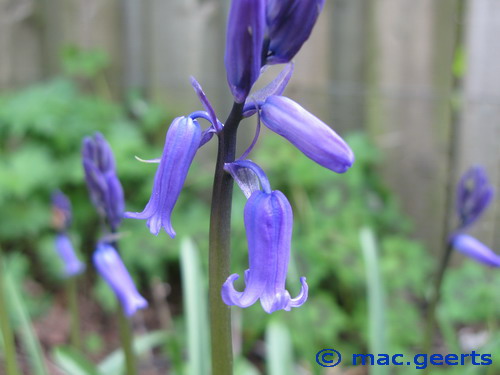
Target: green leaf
(28, 337)
(115, 362)
(278, 349)
(73, 362)
(195, 305)
(376, 303)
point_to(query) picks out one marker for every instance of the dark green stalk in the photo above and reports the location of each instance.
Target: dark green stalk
(72, 295)
(220, 247)
(126, 339)
(11, 367)
(445, 260)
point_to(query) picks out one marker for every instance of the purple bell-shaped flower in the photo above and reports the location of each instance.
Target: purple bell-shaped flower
(268, 223)
(110, 266)
(181, 143)
(72, 265)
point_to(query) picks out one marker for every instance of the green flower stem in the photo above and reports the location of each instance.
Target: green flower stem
(11, 367)
(126, 339)
(220, 247)
(72, 295)
(435, 298)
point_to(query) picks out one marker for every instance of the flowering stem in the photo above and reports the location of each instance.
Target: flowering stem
(220, 246)
(72, 295)
(127, 343)
(435, 298)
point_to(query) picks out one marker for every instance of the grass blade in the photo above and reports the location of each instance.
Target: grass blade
(195, 305)
(278, 349)
(28, 337)
(115, 362)
(73, 362)
(376, 299)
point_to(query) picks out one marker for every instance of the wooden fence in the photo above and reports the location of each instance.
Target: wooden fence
(380, 65)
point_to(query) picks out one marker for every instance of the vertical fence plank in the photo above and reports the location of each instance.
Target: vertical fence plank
(19, 50)
(479, 139)
(406, 106)
(347, 53)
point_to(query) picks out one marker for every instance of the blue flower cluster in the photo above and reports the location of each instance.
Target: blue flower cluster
(474, 195)
(106, 193)
(260, 33)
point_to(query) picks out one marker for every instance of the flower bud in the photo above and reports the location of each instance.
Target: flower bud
(289, 25)
(308, 133)
(244, 39)
(475, 249)
(474, 194)
(105, 189)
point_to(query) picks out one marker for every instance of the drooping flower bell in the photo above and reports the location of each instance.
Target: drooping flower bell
(289, 25)
(110, 266)
(105, 189)
(181, 143)
(474, 194)
(268, 223)
(72, 265)
(244, 39)
(308, 133)
(475, 249)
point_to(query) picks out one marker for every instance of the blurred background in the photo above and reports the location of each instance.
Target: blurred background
(413, 86)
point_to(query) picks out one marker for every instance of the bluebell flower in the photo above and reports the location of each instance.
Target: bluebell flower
(289, 25)
(110, 266)
(474, 194)
(181, 143)
(72, 265)
(61, 211)
(268, 223)
(103, 184)
(308, 133)
(244, 40)
(475, 249)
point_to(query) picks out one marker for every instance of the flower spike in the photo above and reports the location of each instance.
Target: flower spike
(268, 223)
(308, 133)
(244, 39)
(105, 189)
(181, 143)
(110, 266)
